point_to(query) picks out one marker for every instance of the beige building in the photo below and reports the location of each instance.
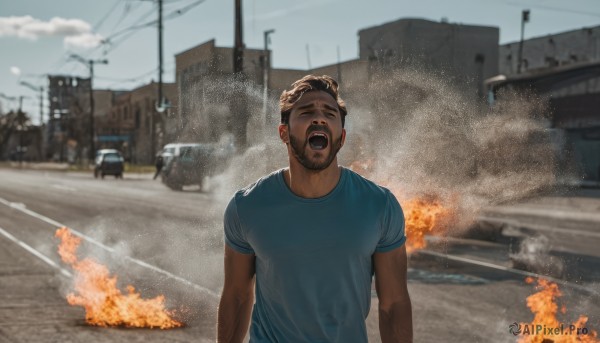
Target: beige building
(207, 90)
(134, 126)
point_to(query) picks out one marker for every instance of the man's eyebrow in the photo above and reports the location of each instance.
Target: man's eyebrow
(329, 107)
(311, 105)
(305, 106)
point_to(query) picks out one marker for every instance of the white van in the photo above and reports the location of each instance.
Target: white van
(174, 149)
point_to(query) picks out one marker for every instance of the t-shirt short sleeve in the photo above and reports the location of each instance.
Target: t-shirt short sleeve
(392, 230)
(235, 236)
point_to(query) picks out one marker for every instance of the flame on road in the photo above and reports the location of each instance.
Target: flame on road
(544, 307)
(423, 216)
(97, 292)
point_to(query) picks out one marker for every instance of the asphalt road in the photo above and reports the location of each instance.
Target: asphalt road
(166, 242)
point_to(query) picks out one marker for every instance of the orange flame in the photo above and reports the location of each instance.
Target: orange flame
(544, 307)
(96, 291)
(423, 215)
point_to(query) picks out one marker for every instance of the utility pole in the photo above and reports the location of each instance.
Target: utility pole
(37, 89)
(159, 100)
(160, 53)
(238, 50)
(21, 97)
(90, 64)
(41, 147)
(266, 67)
(524, 19)
(20, 129)
(239, 102)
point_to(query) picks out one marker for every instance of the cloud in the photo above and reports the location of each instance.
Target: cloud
(15, 70)
(85, 40)
(76, 32)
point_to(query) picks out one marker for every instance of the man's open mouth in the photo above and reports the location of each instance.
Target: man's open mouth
(318, 140)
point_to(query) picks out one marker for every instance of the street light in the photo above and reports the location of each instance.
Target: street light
(90, 64)
(36, 89)
(266, 73)
(21, 150)
(524, 19)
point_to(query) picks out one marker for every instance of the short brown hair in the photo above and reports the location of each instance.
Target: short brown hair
(310, 83)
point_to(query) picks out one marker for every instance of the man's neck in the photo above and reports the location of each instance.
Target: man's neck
(309, 184)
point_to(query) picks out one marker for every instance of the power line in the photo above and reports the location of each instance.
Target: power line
(131, 30)
(63, 60)
(174, 14)
(130, 79)
(101, 21)
(171, 67)
(552, 8)
(135, 26)
(127, 32)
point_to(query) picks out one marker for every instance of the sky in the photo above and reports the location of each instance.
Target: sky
(37, 36)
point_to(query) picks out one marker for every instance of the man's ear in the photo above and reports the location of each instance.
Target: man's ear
(284, 133)
(343, 137)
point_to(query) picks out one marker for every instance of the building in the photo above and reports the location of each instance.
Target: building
(551, 51)
(208, 91)
(467, 53)
(564, 69)
(68, 124)
(134, 125)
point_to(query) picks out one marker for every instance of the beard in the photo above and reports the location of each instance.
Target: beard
(299, 149)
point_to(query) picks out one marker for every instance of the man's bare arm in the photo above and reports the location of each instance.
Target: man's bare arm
(236, 302)
(395, 313)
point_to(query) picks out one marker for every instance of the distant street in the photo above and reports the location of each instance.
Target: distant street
(167, 242)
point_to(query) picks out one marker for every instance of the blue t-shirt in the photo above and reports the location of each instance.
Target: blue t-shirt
(314, 263)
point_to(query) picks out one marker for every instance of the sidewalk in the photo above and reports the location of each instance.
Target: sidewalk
(36, 166)
(574, 212)
(57, 166)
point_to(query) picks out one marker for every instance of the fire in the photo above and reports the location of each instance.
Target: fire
(423, 215)
(544, 307)
(96, 291)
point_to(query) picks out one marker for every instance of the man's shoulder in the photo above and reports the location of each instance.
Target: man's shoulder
(361, 184)
(262, 187)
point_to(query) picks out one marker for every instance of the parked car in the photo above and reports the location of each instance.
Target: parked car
(108, 162)
(188, 164)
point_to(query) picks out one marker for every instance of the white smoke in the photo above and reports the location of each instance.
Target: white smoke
(534, 255)
(76, 32)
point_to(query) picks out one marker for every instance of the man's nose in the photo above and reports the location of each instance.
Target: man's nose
(319, 118)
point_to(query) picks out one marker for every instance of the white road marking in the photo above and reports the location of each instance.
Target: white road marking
(109, 249)
(35, 253)
(506, 269)
(65, 188)
(17, 204)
